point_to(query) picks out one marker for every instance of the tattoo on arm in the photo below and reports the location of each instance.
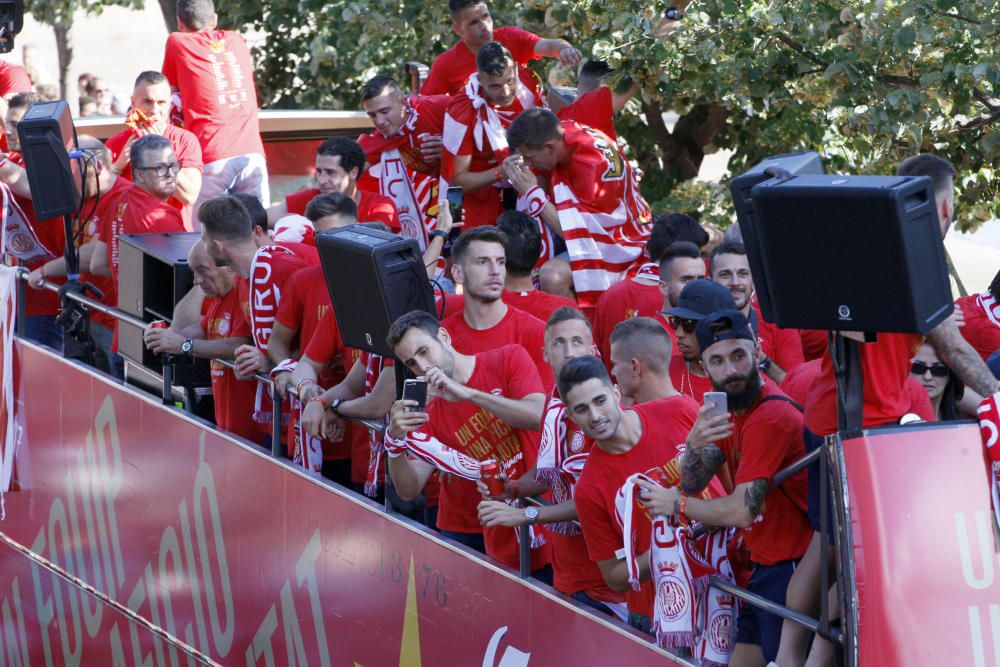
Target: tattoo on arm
(960, 357)
(698, 467)
(754, 496)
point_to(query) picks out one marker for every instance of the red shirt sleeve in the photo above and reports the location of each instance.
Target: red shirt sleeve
(520, 43)
(378, 208)
(292, 305)
(169, 68)
(325, 343)
(765, 442)
(522, 371)
(436, 82)
(187, 150)
(297, 201)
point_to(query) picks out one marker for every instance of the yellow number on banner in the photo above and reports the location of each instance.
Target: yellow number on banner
(616, 165)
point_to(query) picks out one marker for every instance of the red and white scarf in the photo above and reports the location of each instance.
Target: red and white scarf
(989, 304)
(9, 428)
(374, 365)
(431, 450)
(716, 609)
(555, 450)
(649, 271)
(988, 413)
(17, 238)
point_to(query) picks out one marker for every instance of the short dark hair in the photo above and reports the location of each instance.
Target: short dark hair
(485, 233)
(376, 85)
(151, 77)
(24, 100)
(661, 236)
(675, 250)
(348, 150)
(685, 228)
(940, 171)
(645, 339)
(419, 319)
(456, 7)
(258, 215)
(725, 248)
(196, 14)
(146, 144)
(533, 128)
(375, 224)
(226, 218)
(524, 242)
(565, 314)
(493, 58)
(579, 370)
(331, 203)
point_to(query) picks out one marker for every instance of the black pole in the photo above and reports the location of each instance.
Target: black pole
(524, 550)
(22, 306)
(72, 259)
(275, 421)
(168, 379)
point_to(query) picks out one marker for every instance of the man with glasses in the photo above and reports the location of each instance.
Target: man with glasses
(698, 300)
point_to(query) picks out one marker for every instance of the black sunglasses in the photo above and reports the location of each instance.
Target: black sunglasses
(681, 323)
(937, 370)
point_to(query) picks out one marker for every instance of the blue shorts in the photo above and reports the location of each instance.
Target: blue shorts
(759, 627)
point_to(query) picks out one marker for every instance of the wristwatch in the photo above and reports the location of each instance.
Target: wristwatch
(334, 404)
(531, 514)
(765, 365)
(187, 346)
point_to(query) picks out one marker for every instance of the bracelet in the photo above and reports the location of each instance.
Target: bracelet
(298, 387)
(682, 515)
(438, 232)
(317, 399)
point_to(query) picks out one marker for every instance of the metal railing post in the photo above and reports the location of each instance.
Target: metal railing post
(22, 306)
(168, 379)
(276, 406)
(524, 550)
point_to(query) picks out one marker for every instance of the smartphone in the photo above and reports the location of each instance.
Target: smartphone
(454, 197)
(718, 402)
(415, 389)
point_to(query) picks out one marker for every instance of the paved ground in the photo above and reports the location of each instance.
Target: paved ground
(120, 43)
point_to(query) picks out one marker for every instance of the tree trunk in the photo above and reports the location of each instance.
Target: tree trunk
(169, 10)
(683, 149)
(64, 48)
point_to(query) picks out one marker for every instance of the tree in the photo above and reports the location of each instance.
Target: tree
(59, 14)
(865, 83)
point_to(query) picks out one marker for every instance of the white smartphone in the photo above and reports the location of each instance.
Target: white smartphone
(717, 400)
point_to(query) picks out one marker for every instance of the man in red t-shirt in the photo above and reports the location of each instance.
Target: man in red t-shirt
(101, 180)
(404, 151)
(640, 360)
(697, 300)
(482, 407)
(729, 266)
(638, 296)
(525, 252)
(222, 329)
(472, 22)
(626, 442)
(982, 319)
(42, 306)
(486, 322)
(595, 104)
(339, 163)
(151, 97)
(562, 452)
(595, 207)
(212, 70)
(762, 437)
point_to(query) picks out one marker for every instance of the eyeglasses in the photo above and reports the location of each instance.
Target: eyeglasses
(681, 323)
(162, 169)
(937, 370)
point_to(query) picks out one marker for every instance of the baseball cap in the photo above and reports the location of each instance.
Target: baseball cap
(701, 298)
(723, 325)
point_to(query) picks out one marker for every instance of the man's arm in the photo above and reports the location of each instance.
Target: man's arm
(961, 358)
(15, 177)
(279, 345)
(619, 100)
(496, 513)
(738, 509)
(525, 412)
(699, 466)
(408, 475)
(376, 404)
(99, 264)
(524, 181)
(615, 572)
(276, 212)
(188, 185)
(558, 48)
(187, 311)
(471, 181)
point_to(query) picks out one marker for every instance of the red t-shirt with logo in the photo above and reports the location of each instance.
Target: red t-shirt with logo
(507, 371)
(885, 366)
(766, 438)
(594, 109)
(982, 333)
(536, 302)
(622, 301)
(213, 71)
(52, 235)
(452, 68)
(187, 150)
(665, 424)
(136, 212)
(234, 398)
(372, 207)
(516, 326)
(106, 207)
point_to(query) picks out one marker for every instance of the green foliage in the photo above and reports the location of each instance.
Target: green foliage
(60, 12)
(866, 83)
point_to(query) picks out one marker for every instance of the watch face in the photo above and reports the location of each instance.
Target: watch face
(186, 346)
(531, 513)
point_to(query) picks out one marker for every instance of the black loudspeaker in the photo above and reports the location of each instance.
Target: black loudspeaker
(853, 253)
(47, 136)
(373, 278)
(153, 275)
(805, 162)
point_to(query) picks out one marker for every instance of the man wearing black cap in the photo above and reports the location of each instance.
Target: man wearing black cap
(761, 435)
(697, 300)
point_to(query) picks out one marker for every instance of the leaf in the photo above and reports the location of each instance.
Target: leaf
(904, 38)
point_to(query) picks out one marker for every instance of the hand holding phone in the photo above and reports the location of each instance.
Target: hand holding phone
(415, 389)
(718, 403)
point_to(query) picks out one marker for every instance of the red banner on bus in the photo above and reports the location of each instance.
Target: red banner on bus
(241, 557)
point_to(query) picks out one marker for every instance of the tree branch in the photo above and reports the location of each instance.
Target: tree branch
(980, 121)
(959, 17)
(801, 50)
(987, 101)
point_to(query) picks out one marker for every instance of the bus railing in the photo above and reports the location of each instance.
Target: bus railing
(821, 626)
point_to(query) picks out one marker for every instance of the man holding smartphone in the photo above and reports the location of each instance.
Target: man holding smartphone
(762, 436)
